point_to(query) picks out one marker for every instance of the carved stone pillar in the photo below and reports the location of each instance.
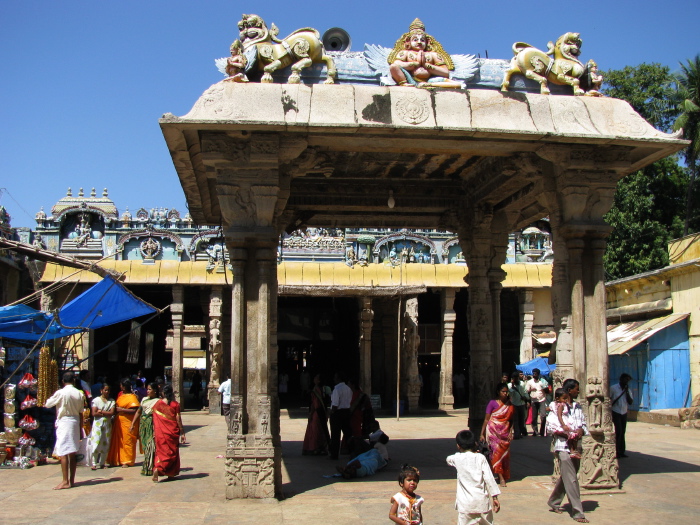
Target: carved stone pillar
(500, 227)
(582, 192)
(253, 464)
(250, 193)
(410, 382)
(495, 287)
(177, 311)
(578, 314)
(366, 318)
(215, 350)
(527, 318)
(238, 417)
(475, 240)
(562, 350)
(599, 468)
(446, 399)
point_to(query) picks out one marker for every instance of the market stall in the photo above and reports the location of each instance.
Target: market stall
(34, 346)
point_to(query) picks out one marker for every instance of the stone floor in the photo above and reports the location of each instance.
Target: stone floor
(660, 483)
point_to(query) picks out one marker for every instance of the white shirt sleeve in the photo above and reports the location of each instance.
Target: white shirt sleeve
(53, 400)
(489, 480)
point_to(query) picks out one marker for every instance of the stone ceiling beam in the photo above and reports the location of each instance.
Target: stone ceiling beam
(493, 143)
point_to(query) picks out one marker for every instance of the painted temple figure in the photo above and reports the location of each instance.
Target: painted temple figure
(419, 60)
(236, 63)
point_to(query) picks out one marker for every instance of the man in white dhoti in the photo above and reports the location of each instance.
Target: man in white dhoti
(69, 403)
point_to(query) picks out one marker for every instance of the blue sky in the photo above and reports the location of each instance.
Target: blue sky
(83, 83)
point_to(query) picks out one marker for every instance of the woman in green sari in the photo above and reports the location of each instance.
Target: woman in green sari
(146, 437)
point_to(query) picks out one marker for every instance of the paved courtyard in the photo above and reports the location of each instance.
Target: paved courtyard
(660, 482)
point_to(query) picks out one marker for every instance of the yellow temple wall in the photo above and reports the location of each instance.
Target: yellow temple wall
(542, 299)
(684, 249)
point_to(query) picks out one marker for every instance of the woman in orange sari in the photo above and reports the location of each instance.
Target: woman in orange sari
(497, 431)
(167, 425)
(122, 450)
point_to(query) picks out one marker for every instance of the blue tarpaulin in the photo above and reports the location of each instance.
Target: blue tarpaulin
(106, 303)
(539, 362)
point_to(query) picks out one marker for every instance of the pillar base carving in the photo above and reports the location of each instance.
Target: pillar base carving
(599, 468)
(252, 463)
(446, 402)
(214, 400)
(413, 406)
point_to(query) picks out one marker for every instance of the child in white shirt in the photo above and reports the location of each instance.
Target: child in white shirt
(477, 491)
(559, 424)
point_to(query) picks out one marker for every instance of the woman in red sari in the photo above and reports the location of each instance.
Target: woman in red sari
(167, 426)
(316, 438)
(497, 431)
(361, 413)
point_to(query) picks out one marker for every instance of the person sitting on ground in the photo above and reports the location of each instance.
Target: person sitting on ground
(376, 439)
(367, 463)
(476, 486)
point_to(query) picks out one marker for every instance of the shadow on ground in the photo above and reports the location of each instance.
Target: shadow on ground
(530, 457)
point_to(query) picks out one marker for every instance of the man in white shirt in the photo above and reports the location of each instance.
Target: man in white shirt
(69, 403)
(621, 400)
(567, 484)
(340, 414)
(225, 390)
(537, 389)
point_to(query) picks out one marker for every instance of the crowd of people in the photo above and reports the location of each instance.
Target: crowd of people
(555, 414)
(482, 460)
(149, 417)
(346, 408)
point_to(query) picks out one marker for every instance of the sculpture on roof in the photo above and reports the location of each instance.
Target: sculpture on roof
(591, 81)
(417, 59)
(236, 63)
(83, 230)
(558, 65)
(264, 51)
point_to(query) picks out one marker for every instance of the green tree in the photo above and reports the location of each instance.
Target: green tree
(689, 121)
(646, 215)
(649, 204)
(649, 88)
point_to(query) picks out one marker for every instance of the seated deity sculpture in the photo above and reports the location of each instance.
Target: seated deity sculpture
(236, 64)
(83, 231)
(419, 60)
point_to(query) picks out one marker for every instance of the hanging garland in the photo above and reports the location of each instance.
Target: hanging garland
(48, 376)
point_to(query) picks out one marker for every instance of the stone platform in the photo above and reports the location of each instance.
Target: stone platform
(660, 480)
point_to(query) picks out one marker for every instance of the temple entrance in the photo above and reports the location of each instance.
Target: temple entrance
(263, 159)
(319, 334)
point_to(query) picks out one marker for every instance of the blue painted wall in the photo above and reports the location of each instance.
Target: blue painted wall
(660, 369)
